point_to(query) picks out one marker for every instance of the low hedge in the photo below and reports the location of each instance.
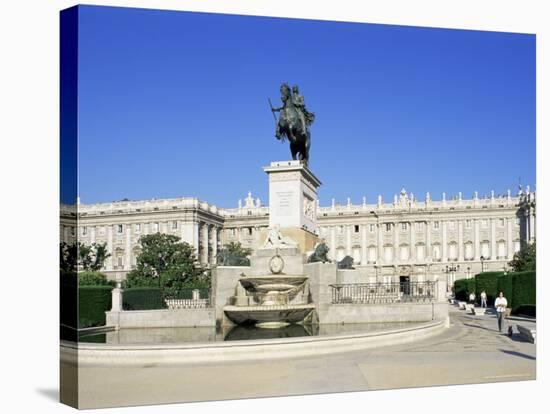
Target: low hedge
(143, 298)
(93, 301)
(526, 310)
(94, 279)
(488, 282)
(524, 290)
(505, 286)
(68, 301)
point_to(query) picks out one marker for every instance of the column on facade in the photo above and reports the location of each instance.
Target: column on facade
(163, 227)
(196, 236)
(527, 222)
(333, 242)
(444, 240)
(348, 239)
(532, 226)
(205, 237)
(509, 238)
(412, 247)
(428, 240)
(493, 239)
(396, 256)
(477, 252)
(128, 248)
(380, 243)
(92, 234)
(460, 240)
(110, 244)
(214, 244)
(66, 230)
(364, 258)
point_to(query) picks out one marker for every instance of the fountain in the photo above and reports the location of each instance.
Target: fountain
(272, 300)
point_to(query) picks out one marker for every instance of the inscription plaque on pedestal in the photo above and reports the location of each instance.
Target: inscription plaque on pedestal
(292, 196)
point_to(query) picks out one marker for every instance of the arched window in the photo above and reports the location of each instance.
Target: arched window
(468, 251)
(119, 258)
(356, 254)
(485, 249)
(404, 252)
(388, 253)
(453, 251)
(340, 253)
(420, 251)
(501, 249)
(372, 254)
(436, 252)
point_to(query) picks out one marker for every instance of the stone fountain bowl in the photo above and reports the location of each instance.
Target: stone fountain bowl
(268, 316)
(280, 283)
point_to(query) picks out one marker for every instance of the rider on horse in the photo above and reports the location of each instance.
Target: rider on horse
(297, 100)
(306, 118)
(293, 122)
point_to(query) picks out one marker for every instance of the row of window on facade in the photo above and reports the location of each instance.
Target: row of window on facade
(420, 225)
(404, 252)
(388, 226)
(137, 228)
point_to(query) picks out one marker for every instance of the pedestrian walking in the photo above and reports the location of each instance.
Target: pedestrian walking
(472, 298)
(500, 305)
(483, 297)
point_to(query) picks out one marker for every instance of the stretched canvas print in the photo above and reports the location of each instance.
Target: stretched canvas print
(255, 206)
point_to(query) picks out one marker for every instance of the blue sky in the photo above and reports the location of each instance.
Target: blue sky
(174, 104)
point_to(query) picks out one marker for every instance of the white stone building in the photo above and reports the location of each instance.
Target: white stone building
(404, 240)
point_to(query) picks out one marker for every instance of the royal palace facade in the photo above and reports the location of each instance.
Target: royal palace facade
(406, 239)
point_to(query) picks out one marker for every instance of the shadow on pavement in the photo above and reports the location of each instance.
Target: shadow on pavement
(481, 327)
(518, 354)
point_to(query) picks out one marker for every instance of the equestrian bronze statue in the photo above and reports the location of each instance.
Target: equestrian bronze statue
(294, 122)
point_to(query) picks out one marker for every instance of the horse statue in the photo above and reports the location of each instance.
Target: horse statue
(293, 123)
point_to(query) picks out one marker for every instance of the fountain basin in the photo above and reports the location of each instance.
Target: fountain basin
(272, 283)
(268, 316)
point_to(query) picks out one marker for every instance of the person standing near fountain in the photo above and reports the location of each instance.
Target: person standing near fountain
(500, 305)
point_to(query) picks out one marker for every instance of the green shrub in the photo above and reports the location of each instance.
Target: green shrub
(142, 298)
(488, 282)
(526, 310)
(524, 290)
(463, 288)
(93, 301)
(505, 286)
(68, 303)
(137, 280)
(94, 279)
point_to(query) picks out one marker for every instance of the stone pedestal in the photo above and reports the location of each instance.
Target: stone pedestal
(293, 199)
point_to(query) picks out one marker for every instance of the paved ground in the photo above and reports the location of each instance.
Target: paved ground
(470, 351)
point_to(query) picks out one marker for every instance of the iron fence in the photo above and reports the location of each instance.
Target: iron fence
(370, 293)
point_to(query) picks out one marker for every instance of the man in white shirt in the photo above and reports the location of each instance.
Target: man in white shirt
(500, 305)
(483, 298)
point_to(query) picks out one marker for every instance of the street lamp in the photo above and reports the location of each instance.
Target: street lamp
(451, 270)
(482, 258)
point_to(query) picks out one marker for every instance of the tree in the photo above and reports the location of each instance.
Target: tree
(68, 256)
(166, 262)
(237, 250)
(525, 259)
(92, 257)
